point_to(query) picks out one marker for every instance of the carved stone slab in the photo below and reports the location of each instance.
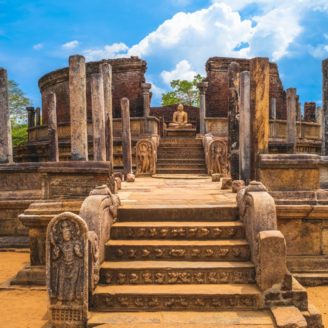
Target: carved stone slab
(67, 270)
(146, 157)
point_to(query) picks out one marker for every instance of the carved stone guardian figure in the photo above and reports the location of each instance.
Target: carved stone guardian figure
(180, 119)
(218, 158)
(67, 270)
(146, 157)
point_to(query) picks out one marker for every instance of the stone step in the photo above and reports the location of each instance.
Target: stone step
(217, 213)
(176, 297)
(217, 319)
(178, 250)
(173, 272)
(180, 166)
(181, 160)
(44, 207)
(180, 170)
(177, 141)
(178, 230)
(181, 156)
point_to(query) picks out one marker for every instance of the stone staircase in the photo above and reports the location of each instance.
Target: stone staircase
(177, 259)
(180, 156)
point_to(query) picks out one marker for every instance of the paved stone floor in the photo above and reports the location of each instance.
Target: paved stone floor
(192, 190)
(27, 307)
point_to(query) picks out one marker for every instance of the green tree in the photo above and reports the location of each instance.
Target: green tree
(185, 92)
(17, 103)
(18, 115)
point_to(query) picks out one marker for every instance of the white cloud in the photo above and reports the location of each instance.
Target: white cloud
(109, 51)
(38, 46)
(320, 51)
(70, 45)
(182, 71)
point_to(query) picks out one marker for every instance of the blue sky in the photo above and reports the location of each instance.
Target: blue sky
(175, 37)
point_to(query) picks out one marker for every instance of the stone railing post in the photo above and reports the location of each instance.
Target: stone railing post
(6, 149)
(291, 100)
(98, 117)
(245, 127)
(67, 249)
(146, 98)
(78, 108)
(106, 70)
(52, 128)
(126, 140)
(273, 112)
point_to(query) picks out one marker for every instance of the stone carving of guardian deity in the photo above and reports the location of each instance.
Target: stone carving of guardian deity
(67, 270)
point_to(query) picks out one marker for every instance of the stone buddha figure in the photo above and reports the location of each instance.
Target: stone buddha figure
(180, 119)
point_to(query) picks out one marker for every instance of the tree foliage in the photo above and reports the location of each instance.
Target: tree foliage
(17, 103)
(19, 134)
(185, 92)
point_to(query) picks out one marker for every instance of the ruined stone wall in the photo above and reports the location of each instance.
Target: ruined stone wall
(217, 95)
(128, 75)
(310, 111)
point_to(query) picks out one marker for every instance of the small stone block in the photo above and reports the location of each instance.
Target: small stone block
(288, 317)
(118, 183)
(237, 185)
(130, 177)
(226, 183)
(313, 317)
(216, 177)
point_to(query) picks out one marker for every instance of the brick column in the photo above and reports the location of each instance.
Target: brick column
(106, 70)
(52, 127)
(6, 149)
(325, 104)
(202, 109)
(260, 102)
(126, 140)
(37, 116)
(98, 117)
(291, 101)
(245, 127)
(233, 122)
(78, 108)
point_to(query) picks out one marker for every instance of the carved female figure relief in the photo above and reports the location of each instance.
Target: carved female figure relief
(219, 159)
(145, 157)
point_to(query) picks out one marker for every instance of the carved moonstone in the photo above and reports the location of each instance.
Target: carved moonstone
(67, 270)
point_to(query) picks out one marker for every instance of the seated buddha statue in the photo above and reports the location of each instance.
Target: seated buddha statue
(180, 119)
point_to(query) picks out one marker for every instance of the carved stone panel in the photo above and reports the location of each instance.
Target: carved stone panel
(146, 157)
(218, 158)
(67, 270)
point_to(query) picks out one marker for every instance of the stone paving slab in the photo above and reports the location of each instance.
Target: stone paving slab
(227, 319)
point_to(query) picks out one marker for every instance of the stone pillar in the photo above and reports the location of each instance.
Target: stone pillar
(98, 117)
(78, 108)
(245, 127)
(37, 116)
(233, 121)
(126, 140)
(291, 101)
(52, 127)
(146, 98)
(273, 115)
(6, 149)
(106, 70)
(260, 103)
(325, 104)
(202, 110)
(30, 117)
